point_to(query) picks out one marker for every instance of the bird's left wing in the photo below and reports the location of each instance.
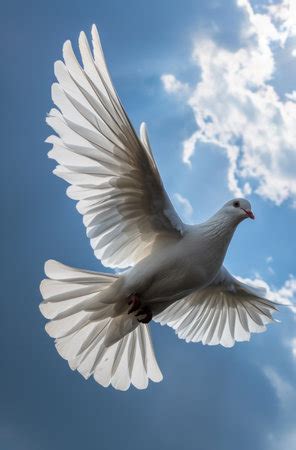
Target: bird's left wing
(112, 172)
(222, 313)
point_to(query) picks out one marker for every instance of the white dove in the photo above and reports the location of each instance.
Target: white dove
(176, 274)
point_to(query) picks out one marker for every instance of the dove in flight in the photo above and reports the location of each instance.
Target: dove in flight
(175, 273)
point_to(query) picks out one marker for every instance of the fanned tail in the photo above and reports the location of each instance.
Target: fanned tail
(79, 311)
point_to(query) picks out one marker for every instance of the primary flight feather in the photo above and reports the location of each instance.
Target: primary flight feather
(176, 274)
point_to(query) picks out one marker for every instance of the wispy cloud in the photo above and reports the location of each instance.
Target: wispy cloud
(283, 436)
(293, 347)
(237, 109)
(285, 392)
(269, 261)
(174, 86)
(185, 205)
(291, 96)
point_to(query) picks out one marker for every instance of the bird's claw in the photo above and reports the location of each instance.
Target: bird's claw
(146, 312)
(134, 302)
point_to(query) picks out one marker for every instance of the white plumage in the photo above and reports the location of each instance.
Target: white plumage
(222, 313)
(79, 333)
(176, 271)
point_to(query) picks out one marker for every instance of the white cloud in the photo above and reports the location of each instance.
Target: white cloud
(284, 435)
(237, 109)
(283, 15)
(269, 261)
(293, 347)
(270, 270)
(189, 147)
(185, 204)
(285, 392)
(173, 86)
(291, 96)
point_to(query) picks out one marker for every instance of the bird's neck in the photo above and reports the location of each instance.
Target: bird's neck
(220, 228)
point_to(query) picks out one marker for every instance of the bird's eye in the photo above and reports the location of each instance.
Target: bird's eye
(236, 204)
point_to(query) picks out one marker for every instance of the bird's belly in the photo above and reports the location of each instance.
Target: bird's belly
(175, 280)
(172, 276)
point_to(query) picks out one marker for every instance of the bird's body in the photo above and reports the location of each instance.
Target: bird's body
(179, 268)
(176, 274)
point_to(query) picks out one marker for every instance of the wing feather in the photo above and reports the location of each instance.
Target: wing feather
(112, 173)
(222, 313)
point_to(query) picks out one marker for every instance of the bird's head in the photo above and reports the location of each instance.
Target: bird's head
(239, 209)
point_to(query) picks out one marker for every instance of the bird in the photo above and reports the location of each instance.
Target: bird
(163, 269)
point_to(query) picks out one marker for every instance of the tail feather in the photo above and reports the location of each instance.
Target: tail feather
(58, 271)
(119, 327)
(115, 350)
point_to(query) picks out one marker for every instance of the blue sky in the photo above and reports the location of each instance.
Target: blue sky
(211, 397)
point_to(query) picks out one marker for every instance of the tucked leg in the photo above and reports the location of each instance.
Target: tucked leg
(143, 313)
(134, 302)
(146, 312)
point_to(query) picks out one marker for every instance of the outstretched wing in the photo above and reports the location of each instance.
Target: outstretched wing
(222, 313)
(112, 173)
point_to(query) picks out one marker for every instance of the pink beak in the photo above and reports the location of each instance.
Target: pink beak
(249, 213)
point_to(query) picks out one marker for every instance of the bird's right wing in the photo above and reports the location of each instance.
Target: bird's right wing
(222, 313)
(112, 172)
